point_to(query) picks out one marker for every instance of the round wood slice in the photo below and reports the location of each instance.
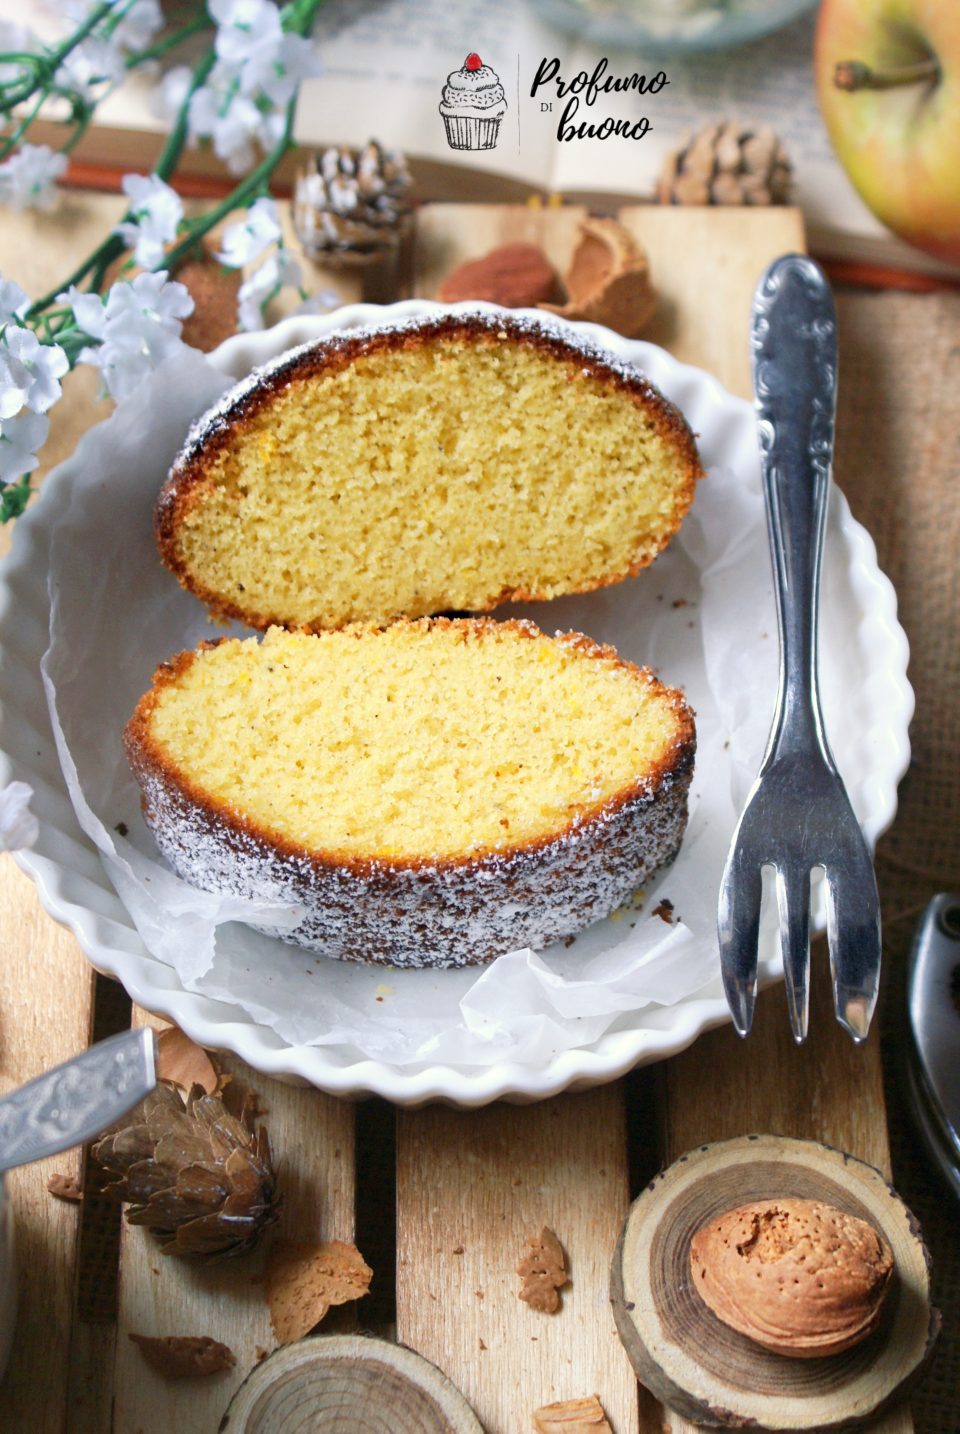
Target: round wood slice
(708, 1372)
(348, 1384)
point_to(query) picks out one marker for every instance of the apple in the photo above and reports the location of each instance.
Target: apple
(888, 79)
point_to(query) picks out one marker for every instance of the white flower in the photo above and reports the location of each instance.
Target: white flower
(278, 75)
(246, 240)
(229, 119)
(138, 26)
(27, 177)
(18, 826)
(94, 67)
(243, 27)
(29, 372)
(257, 70)
(276, 272)
(137, 328)
(157, 212)
(167, 97)
(20, 439)
(14, 303)
(136, 29)
(16, 39)
(319, 303)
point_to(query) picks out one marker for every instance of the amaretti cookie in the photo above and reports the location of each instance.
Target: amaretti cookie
(431, 793)
(449, 464)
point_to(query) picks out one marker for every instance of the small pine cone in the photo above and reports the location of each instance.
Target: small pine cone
(352, 205)
(726, 164)
(197, 1176)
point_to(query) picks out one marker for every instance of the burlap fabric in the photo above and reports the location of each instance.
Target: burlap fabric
(898, 461)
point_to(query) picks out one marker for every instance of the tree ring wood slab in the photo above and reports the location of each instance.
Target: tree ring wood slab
(708, 1372)
(348, 1384)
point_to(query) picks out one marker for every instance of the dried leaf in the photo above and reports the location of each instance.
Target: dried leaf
(304, 1280)
(543, 1269)
(185, 1356)
(65, 1187)
(572, 1416)
(184, 1063)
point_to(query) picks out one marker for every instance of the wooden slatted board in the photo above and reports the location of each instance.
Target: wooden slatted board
(468, 1186)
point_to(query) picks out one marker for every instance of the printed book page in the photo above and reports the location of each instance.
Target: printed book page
(386, 62)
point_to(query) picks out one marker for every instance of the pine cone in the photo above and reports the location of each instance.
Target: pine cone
(727, 164)
(194, 1174)
(352, 205)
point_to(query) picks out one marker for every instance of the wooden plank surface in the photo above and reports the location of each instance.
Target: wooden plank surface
(721, 1086)
(312, 1137)
(470, 1186)
(46, 1000)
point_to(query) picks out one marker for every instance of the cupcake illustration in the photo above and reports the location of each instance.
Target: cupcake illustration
(473, 105)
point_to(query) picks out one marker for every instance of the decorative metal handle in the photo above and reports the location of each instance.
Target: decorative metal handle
(76, 1100)
(793, 339)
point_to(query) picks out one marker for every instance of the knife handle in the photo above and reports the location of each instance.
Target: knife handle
(793, 342)
(76, 1100)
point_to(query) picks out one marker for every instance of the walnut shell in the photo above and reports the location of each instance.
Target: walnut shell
(798, 1277)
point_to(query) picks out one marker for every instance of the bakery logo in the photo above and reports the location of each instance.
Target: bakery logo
(589, 88)
(473, 106)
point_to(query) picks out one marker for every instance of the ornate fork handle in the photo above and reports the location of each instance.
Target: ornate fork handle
(794, 343)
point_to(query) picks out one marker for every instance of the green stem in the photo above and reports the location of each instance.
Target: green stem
(297, 18)
(111, 248)
(167, 43)
(256, 180)
(56, 57)
(116, 18)
(9, 142)
(79, 130)
(46, 65)
(177, 138)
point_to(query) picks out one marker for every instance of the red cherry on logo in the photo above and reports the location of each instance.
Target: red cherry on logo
(473, 62)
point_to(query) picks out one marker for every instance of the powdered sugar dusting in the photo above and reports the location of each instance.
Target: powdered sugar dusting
(436, 914)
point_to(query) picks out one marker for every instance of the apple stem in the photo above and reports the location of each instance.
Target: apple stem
(854, 75)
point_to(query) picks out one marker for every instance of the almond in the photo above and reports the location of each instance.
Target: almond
(518, 276)
(798, 1277)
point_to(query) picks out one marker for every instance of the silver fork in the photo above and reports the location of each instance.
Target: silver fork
(798, 815)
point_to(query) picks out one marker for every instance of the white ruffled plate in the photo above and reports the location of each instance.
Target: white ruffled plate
(722, 652)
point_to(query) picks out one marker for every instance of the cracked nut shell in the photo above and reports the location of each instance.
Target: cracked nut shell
(798, 1277)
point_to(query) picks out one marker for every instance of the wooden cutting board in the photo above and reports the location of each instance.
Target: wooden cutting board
(445, 1224)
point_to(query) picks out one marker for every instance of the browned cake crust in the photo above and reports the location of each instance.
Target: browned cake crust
(217, 429)
(427, 911)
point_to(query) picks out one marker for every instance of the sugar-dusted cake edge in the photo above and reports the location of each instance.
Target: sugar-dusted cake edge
(430, 911)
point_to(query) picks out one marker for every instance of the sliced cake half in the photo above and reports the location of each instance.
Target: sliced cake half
(432, 793)
(450, 464)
